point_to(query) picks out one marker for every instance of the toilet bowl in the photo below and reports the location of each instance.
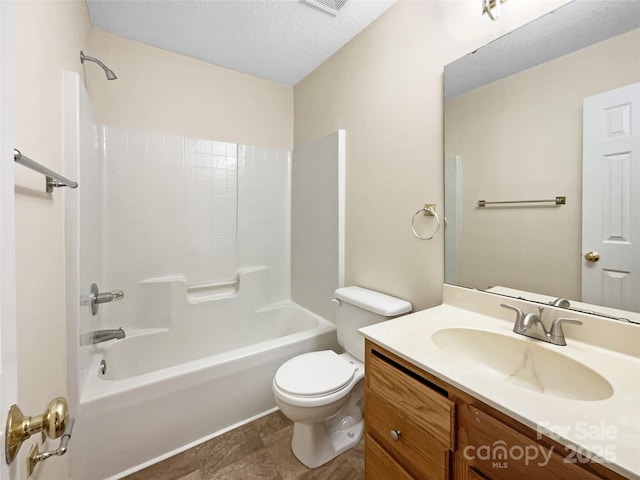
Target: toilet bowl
(323, 392)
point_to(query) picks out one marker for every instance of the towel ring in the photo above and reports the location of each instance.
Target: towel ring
(430, 211)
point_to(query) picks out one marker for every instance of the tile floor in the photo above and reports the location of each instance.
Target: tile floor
(258, 450)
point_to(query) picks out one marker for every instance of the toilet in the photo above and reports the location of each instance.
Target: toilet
(323, 392)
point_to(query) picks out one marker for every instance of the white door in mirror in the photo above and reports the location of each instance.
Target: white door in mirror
(611, 201)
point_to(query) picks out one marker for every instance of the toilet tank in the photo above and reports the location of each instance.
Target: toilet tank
(360, 307)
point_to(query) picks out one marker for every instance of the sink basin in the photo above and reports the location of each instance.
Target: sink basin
(524, 363)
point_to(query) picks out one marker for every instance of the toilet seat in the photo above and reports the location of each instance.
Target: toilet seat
(314, 374)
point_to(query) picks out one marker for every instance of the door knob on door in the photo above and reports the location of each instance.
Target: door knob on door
(35, 456)
(53, 422)
(592, 256)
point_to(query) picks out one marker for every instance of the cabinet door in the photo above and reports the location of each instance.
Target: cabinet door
(378, 465)
(501, 453)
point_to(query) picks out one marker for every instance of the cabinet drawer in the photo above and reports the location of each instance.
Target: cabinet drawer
(414, 449)
(378, 465)
(495, 461)
(426, 407)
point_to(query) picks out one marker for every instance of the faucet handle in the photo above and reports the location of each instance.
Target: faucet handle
(519, 313)
(96, 297)
(517, 326)
(556, 331)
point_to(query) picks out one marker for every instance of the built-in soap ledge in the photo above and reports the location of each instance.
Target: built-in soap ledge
(210, 291)
(205, 292)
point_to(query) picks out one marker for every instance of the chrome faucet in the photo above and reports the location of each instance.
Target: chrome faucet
(525, 324)
(560, 302)
(99, 336)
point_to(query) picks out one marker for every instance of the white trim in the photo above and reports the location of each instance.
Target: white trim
(8, 322)
(342, 207)
(452, 212)
(191, 445)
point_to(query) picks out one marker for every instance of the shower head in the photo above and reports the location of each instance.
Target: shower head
(108, 72)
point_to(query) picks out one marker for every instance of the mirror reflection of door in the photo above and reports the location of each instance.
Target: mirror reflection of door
(611, 199)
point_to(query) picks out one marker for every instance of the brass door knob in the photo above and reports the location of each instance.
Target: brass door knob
(592, 256)
(20, 427)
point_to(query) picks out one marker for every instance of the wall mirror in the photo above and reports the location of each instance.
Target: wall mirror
(514, 133)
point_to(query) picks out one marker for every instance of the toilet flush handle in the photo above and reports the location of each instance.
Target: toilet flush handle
(337, 301)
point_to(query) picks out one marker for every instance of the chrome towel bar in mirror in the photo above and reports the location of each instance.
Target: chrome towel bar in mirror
(561, 200)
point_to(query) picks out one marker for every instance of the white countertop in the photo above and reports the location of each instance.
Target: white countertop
(608, 429)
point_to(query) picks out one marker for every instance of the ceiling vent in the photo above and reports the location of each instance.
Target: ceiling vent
(331, 6)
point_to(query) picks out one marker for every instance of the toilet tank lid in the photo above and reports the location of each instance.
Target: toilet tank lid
(372, 301)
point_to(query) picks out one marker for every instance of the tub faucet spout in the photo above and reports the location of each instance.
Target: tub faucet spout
(99, 336)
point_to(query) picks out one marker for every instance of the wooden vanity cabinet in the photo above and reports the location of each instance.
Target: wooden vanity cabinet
(419, 427)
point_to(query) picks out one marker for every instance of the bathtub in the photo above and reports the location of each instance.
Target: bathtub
(165, 390)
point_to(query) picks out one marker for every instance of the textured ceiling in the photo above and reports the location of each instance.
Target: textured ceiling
(280, 40)
(571, 27)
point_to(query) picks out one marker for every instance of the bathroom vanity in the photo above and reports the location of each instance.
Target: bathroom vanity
(439, 409)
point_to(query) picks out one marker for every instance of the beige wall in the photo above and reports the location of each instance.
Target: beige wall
(521, 138)
(168, 93)
(50, 36)
(385, 89)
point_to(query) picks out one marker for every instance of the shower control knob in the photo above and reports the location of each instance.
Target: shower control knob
(395, 435)
(96, 297)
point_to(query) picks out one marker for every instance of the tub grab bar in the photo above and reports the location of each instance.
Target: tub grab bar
(53, 179)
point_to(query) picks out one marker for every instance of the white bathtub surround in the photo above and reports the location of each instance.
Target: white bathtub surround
(317, 222)
(264, 216)
(198, 209)
(210, 367)
(197, 234)
(218, 319)
(125, 423)
(83, 224)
